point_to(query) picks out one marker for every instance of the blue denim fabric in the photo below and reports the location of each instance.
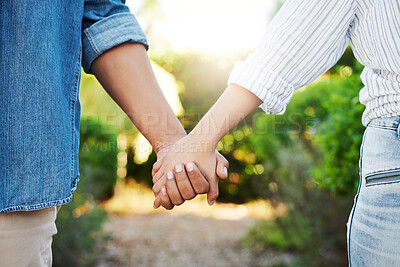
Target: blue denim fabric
(43, 45)
(374, 225)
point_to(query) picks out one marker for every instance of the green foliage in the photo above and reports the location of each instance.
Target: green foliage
(339, 137)
(98, 158)
(280, 149)
(269, 232)
(140, 172)
(80, 222)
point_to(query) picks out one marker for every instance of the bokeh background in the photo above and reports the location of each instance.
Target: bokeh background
(292, 178)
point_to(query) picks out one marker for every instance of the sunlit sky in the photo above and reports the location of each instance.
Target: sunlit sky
(209, 25)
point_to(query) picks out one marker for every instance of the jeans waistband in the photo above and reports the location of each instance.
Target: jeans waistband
(391, 122)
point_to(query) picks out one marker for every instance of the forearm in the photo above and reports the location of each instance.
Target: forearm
(126, 74)
(232, 106)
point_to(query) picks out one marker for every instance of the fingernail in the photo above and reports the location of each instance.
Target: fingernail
(178, 168)
(212, 202)
(164, 191)
(226, 171)
(190, 166)
(170, 175)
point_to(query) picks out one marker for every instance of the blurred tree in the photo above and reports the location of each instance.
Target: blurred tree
(339, 137)
(98, 158)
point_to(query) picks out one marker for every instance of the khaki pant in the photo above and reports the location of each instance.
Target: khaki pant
(26, 236)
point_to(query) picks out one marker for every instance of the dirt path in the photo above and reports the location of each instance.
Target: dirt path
(181, 240)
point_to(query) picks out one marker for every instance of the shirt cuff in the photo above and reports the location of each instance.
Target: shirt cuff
(265, 84)
(107, 33)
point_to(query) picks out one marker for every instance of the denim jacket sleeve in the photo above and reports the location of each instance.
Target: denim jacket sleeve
(105, 24)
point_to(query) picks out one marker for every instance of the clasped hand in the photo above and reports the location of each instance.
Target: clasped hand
(185, 169)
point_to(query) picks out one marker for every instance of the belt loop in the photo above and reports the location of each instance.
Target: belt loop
(398, 131)
(398, 128)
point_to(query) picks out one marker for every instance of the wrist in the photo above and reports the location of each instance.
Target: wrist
(201, 142)
(167, 141)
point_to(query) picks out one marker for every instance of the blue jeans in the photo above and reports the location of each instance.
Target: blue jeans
(373, 229)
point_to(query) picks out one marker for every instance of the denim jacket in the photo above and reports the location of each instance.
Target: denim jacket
(43, 44)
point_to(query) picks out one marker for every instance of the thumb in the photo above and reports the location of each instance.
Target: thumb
(213, 193)
(222, 166)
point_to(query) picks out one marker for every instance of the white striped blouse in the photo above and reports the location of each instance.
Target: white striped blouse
(307, 37)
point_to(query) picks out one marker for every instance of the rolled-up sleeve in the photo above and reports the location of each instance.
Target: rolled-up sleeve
(304, 40)
(105, 24)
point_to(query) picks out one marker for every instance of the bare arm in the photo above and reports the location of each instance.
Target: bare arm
(232, 106)
(126, 74)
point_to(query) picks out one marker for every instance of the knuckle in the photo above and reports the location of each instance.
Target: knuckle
(194, 175)
(181, 177)
(168, 207)
(214, 195)
(169, 183)
(185, 189)
(201, 190)
(190, 196)
(178, 202)
(197, 181)
(156, 178)
(206, 187)
(155, 189)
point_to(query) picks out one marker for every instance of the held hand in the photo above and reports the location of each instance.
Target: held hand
(177, 188)
(186, 180)
(187, 150)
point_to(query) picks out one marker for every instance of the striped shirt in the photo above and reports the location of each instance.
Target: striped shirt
(307, 37)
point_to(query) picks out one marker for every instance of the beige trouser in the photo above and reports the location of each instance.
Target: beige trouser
(26, 236)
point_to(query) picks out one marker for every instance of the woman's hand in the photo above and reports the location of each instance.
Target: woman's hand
(177, 178)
